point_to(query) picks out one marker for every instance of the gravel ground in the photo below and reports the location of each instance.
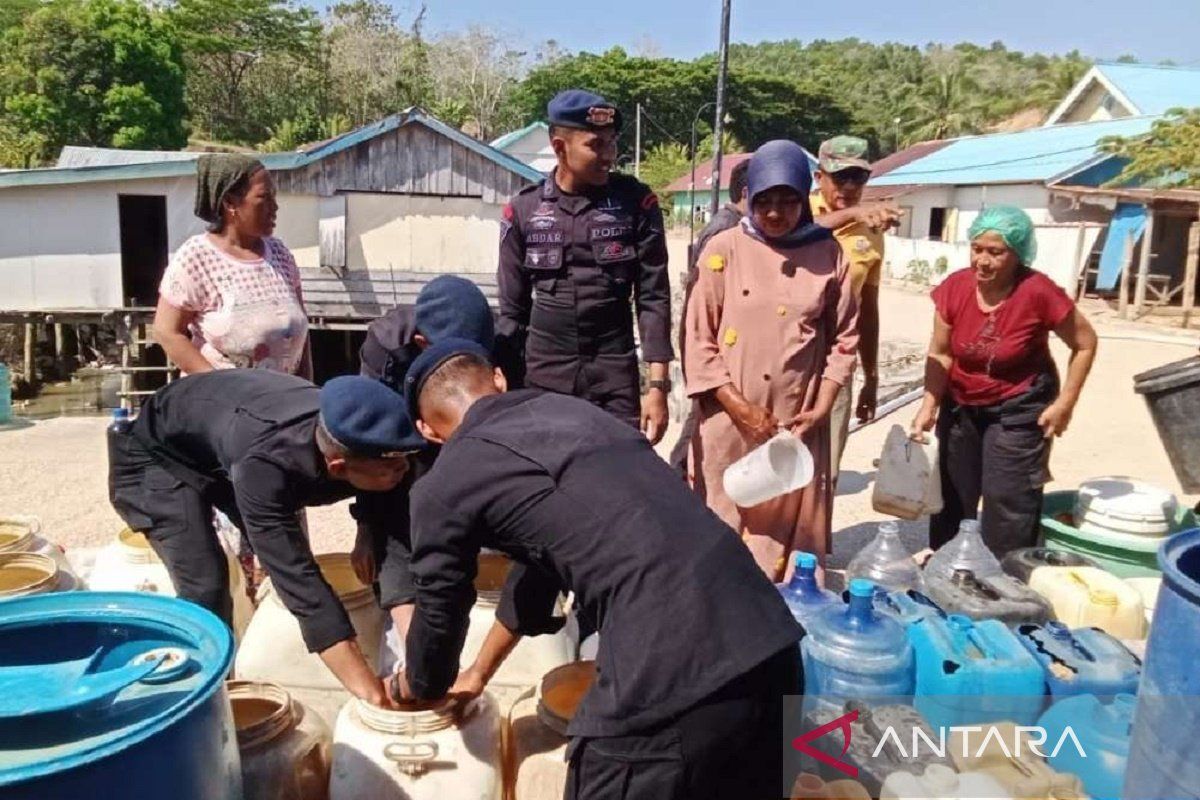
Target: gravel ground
(56, 469)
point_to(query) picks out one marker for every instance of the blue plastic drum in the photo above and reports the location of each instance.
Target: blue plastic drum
(1163, 763)
(115, 695)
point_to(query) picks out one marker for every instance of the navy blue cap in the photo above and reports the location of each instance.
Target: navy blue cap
(368, 418)
(451, 307)
(576, 108)
(433, 357)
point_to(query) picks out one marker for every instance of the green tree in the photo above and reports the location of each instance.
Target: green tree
(947, 104)
(1169, 155)
(91, 72)
(13, 12)
(226, 42)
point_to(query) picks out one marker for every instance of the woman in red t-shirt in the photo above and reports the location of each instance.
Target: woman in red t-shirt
(992, 386)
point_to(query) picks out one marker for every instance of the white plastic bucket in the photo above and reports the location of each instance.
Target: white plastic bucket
(780, 465)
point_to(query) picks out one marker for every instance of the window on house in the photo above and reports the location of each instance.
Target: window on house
(937, 223)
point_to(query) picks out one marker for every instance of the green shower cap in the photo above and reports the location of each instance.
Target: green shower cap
(1014, 226)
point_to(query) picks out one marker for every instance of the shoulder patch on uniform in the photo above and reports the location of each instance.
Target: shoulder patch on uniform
(508, 212)
(715, 262)
(862, 244)
(649, 201)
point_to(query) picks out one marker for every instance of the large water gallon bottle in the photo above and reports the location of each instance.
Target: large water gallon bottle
(1162, 758)
(881, 741)
(939, 782)
(853, 652)
(802, 594)
(1081, 661)
(1090, 597)
(886, 561)
(425, 751)
(1001, 597)
(285, 748)
(1102, 731)
(1010, 756)
(970, 673)
(965, 551)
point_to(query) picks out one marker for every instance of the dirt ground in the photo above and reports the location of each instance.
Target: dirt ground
(56, 469)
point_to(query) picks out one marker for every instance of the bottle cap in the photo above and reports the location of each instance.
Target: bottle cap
(804, 561)
(120, 413)
(890, 526)
(861, 587)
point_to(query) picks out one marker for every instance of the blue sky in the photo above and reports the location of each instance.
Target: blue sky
(1152, 30)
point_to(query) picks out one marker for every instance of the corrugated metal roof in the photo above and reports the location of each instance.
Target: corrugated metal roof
(182, 165)
(1155, 89)
(906, 156)
(1035, 155)
(514, 136)
(73, 156)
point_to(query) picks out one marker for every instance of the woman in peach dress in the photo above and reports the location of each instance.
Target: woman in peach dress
(771, 336)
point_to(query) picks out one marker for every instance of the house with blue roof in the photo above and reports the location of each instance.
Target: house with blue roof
(1058, 174)
(369, 215)
(1114, 91)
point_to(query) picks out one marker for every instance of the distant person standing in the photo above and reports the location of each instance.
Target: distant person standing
(230, 297)
(844, 171)
(575, 249)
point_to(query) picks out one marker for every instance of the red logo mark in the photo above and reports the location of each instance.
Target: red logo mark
(800, 743)
(649, 201)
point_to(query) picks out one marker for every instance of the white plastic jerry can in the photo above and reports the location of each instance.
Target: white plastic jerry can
(129, 564)
(425, 752)
(273, 650)
(908, 484)
(1089, 597)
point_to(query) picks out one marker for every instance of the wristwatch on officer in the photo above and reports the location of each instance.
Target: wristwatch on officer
(660, 383)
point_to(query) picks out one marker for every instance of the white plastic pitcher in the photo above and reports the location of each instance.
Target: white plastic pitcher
(780, 465)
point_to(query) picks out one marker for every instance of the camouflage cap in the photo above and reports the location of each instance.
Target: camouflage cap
(843, 152)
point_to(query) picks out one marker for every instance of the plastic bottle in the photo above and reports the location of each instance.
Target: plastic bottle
(121, 421)
(802, 594)
(964, 551)
(886, 562)
(854, 653)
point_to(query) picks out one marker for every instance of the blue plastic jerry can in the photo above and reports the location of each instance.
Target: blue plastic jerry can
(1089, 737)
(1081, 661)
(973, 672)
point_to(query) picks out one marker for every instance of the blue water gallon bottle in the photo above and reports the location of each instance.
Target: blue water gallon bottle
(802, 594)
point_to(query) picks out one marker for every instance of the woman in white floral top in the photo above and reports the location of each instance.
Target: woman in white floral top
(231, 297)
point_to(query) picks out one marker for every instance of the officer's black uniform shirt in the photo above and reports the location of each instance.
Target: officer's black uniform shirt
(568, 267)
(251, 432)
(582, 503)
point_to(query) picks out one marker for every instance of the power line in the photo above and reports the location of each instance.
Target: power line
(665, 132)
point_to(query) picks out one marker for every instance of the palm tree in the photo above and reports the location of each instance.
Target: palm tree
(1058, 79)
(946, 105)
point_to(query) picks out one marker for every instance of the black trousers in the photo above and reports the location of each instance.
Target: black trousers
(997, 454)
(177, 521)
(728, 747)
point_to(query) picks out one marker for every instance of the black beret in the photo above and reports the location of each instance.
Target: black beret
(368, 418)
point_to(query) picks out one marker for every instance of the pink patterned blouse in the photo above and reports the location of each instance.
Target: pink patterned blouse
(248, 313)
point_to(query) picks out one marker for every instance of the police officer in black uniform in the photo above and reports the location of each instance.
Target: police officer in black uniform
(260, 446)
(697, 649)
(574, 250)
(449, 306)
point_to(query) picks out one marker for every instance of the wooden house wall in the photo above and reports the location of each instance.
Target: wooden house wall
(411, 159)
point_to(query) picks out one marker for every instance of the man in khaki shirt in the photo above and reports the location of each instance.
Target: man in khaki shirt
(844, 171)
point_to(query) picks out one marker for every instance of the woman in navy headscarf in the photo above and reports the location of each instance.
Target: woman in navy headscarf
(771, 332)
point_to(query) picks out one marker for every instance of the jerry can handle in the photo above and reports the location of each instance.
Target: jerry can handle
(412, 758)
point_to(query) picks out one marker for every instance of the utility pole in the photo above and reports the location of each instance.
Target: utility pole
(719, 125)
(637, 146)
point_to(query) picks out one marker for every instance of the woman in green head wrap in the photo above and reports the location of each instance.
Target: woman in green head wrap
(991, 386)
(230, 297)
